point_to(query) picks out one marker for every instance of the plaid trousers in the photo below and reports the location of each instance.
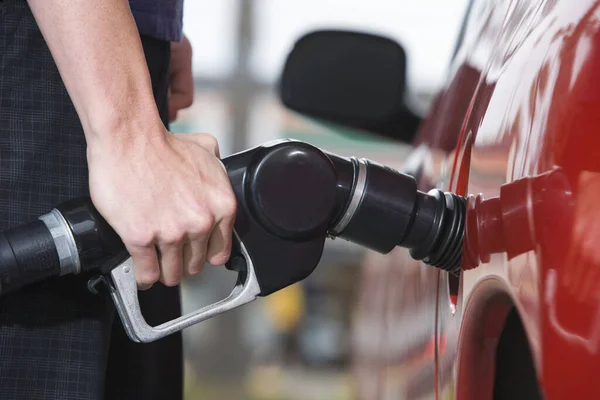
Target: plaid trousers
(57, 340)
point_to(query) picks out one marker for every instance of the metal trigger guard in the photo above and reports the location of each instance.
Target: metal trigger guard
(123, 290)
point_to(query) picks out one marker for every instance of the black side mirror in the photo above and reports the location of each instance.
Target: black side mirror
(352, 79)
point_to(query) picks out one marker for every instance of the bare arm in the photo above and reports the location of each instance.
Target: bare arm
(97, 49)
(159, 191)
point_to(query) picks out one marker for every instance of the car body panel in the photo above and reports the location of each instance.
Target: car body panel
(518, 122)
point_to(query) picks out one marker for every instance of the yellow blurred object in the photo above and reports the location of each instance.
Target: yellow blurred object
(286, 307)
(264, 383)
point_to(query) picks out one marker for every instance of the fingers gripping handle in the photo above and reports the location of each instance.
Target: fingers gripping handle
(123, 290)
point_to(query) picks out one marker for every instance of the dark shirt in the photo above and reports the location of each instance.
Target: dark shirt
(160, 19)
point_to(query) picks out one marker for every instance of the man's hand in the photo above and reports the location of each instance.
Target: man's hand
(181, 88)
(167, 196)
(169, 199)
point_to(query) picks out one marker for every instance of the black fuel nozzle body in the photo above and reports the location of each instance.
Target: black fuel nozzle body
(291, 196)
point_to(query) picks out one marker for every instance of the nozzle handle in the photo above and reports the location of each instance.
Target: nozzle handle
(123, 290)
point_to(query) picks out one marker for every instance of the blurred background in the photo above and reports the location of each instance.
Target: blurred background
(296, 343)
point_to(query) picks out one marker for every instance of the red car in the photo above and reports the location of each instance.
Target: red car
(517, 130)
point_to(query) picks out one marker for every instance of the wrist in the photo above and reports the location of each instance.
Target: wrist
(123, 132)
(125, 121)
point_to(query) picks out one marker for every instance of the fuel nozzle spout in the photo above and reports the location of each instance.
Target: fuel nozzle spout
(297, 192)
(384, 210)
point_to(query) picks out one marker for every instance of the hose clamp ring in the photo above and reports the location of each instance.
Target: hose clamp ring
(66, 247)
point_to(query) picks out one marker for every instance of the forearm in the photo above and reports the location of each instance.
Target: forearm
(99, 55)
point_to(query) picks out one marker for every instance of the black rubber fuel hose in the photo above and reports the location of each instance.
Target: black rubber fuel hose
(27, 254)
(70, 239)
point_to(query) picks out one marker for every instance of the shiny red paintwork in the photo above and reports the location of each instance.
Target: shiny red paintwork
(538, 114)
(517, 123)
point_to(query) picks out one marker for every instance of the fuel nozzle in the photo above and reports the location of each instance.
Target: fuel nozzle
(297, 191)
(291, 197)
